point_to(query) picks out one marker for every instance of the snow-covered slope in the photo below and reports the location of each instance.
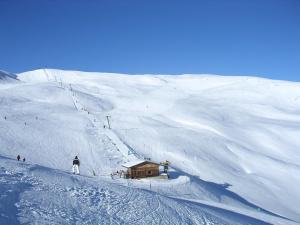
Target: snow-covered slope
(232, 141)
(5, 76)
(54, 197)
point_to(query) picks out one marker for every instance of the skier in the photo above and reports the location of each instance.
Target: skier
(76, 164)
(24, 159)
(18, 157)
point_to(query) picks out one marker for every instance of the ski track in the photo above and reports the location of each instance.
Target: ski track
(56, 197)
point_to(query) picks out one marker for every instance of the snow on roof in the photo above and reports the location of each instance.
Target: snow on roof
(135, 162)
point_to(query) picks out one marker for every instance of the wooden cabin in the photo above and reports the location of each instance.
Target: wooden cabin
(141, 169)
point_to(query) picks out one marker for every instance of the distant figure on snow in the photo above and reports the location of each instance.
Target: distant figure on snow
(18, 157)
(24, 159)
(76, 164)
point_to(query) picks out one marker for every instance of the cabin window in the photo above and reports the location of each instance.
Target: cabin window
(149, 172)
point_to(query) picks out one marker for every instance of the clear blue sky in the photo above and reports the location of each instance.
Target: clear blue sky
(227, 37)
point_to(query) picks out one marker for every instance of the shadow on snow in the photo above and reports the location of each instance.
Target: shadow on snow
(220, 191)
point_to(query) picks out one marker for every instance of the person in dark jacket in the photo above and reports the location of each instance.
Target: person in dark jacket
(18, 157)
(76, 164)
(24, 159)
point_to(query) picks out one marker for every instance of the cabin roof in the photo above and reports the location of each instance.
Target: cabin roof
(136, 162)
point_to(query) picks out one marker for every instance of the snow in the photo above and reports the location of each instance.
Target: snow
(49, 196)
(232, 142)
(133, 163)
(7, 76)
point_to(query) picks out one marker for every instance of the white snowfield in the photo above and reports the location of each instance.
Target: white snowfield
(233, 144)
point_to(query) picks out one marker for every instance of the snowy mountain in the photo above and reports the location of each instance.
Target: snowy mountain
(4, 76)
(232, 142)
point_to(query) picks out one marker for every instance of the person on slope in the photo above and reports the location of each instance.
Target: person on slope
(18, 157)
(76, 164)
